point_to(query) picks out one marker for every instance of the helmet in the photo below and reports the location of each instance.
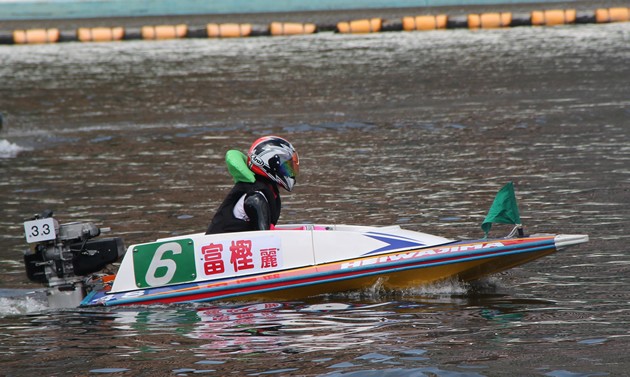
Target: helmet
(274, 158)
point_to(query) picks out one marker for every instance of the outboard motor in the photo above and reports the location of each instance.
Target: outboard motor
(62, 255)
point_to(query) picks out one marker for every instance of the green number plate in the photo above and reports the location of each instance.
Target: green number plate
(163, 263)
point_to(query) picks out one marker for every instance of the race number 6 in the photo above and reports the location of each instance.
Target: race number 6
(152, 277)
(162, 263)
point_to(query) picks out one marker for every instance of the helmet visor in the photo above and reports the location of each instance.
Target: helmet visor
(289, 169)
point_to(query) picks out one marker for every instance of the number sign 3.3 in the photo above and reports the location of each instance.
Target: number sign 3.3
(162, 263)
(40, 230)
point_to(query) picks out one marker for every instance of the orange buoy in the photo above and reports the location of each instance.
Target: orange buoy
(164, 31)
(289, 28)
(425, 22)
(35, 36)
(229, 30)
(604, 15)
(100, 34)
(553, 17)
(373, 25)
(489, 20)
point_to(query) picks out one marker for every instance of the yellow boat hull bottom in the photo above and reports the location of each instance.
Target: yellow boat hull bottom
(405, 279)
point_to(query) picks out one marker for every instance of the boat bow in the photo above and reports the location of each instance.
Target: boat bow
(565, 240)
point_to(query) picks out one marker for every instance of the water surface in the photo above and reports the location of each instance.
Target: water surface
(414, 129)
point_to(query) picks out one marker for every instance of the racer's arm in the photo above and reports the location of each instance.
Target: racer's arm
(257, 209)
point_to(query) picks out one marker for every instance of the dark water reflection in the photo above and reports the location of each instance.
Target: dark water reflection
(416, 129)
(432, 334)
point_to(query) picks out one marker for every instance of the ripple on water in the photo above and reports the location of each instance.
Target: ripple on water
(412, 128)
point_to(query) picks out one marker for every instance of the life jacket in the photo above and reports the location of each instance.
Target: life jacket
(224, 220)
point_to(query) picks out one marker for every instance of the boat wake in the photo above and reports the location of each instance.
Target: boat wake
(9, 149)
(21, 301)
(441, 289)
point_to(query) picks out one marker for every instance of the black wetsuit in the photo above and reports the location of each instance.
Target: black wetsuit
(224, 220)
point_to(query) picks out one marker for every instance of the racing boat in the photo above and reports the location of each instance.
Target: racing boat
(287, 262)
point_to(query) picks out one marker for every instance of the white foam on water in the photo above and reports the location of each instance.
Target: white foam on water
(21, 305)
(9, 149)
(443, 287)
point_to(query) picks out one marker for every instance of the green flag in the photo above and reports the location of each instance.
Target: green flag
(504, 209)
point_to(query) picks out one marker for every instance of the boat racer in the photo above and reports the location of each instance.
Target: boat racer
(254, 201)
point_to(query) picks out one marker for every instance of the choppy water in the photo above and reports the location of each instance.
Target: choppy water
(416, 129)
